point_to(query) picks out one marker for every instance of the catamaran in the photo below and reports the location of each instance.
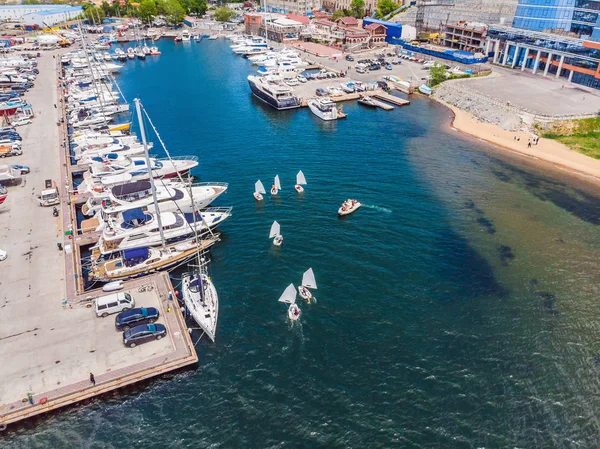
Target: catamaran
(300, 181)
(275, 234)
(289, 297)
(308, 281)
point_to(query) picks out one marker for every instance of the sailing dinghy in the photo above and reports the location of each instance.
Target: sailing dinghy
(259, 189)
(275, 234)
(300, 181)
(308, 281)
(289, 297)
(276, 186)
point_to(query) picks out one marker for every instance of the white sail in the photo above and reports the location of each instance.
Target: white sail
(275, 229)
(289, 295)
(258, 187)
(308, 279)
(300, 179)
(277, 183)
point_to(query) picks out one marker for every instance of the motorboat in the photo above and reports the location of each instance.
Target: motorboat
(146, 50)
(131, 53)
(271, 90)
(425, 89)
(136, 166)
(185, 36)
(139, 53)
(171, 196)
(154, 51)
(349, 206)
(367, 101)
(323, 108)
(141, 261)
(139, 227)
(201, 300)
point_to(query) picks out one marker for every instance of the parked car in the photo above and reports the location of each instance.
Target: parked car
(374, 67)
(3, 255)
(136, 317)
(349, 58)
(388, 66)
(301, 79)
(23, 168)
(141, 334)
(396, 61)
(291, 81)
(321, 92)
(115, 303)
(21, 121)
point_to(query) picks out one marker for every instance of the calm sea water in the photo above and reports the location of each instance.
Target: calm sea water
(457, 309)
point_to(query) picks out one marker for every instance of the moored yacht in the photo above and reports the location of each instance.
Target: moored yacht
(274, 92)
(323, 108)
(201, 299)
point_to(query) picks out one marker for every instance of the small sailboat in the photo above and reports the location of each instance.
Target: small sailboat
(308, 281)
(276, 186)
(349, 206)
(300, 181)
(259, 191)
(201, 299)
(289, 297)
(275, 234)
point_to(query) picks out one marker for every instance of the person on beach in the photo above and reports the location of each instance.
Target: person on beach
(529, 144)
(92, 379)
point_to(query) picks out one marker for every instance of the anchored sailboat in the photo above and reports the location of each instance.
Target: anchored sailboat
(276, 186)
(300, 181)
(308, 281)
(201, 299)
(289, 297)
(259, 190)
(275, 234)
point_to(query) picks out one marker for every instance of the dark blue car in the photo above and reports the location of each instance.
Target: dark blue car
(134, 317)
(142, 334)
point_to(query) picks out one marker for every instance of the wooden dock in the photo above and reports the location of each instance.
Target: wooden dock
(379, 104)
(390, 98)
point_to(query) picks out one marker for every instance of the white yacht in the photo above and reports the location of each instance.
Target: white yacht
(323, 108)
(274, 92)
(201, 299)
(138, 227)
(136, 166)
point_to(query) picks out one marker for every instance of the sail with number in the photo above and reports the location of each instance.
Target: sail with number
(300, 179)
(275, 230)
(258, 187)
(277, 183)
(308, 279)
(289, 295)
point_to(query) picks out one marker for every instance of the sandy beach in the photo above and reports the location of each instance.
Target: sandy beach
(546, 149)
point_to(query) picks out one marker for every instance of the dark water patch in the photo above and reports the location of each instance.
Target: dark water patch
(487, 224)
(502, 176)
(575, 201)
(506, 254)
(470, 204)
(548, 302)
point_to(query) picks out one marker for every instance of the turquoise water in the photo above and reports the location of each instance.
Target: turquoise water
(457, 309)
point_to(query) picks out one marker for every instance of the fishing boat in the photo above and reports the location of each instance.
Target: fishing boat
(259, 191)
(367, 101)
(308, 281)
(275, 234)
(425, 89)
(324, 108)
(139, 53)
(289, 297)
(276, 187)
(131, 53)
(185, 36)
(201, 299)
(300, 181)
(349, 206)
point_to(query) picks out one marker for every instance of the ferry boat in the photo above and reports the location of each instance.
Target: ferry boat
(274, 92)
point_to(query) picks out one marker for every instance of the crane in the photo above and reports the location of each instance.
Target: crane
(63, 42)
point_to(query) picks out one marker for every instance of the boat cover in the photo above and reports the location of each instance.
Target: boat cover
(134, 214)
(135, 253)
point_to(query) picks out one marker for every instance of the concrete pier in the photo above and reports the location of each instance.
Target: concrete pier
(48, 328)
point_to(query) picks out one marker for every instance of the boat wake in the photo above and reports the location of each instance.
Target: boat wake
(379, 208)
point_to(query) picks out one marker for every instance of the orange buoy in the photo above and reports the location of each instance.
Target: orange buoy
(43, 400)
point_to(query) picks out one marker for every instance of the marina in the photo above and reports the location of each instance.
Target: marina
(429, 254)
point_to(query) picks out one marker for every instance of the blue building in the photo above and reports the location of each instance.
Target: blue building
(559, 38)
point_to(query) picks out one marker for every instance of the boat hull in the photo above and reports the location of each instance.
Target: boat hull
(279, 105)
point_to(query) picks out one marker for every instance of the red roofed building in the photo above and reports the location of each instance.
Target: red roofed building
(347, 22)
(305, 20)
(378, 33)
(348, 33)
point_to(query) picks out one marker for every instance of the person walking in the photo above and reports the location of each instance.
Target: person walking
(529, 144)
(92, 379)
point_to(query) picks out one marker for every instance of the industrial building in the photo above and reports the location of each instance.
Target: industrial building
(39, 14)
(300, 7)
(555, 39)
(466, 36)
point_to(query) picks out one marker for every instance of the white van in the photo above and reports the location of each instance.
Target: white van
(361, 68)
(115, 303)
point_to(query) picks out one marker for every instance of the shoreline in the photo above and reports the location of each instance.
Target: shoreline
(546, 154)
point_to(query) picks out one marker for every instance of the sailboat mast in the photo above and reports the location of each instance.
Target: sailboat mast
(151, 177)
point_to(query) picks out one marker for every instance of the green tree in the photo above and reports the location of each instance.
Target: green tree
(197, 7)
(106, 8)
(174, 12)
(338, 14)
(358, 8)
(147, 10)
(384, 7)
(224, 14)
(94, 15)
(437, 74)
